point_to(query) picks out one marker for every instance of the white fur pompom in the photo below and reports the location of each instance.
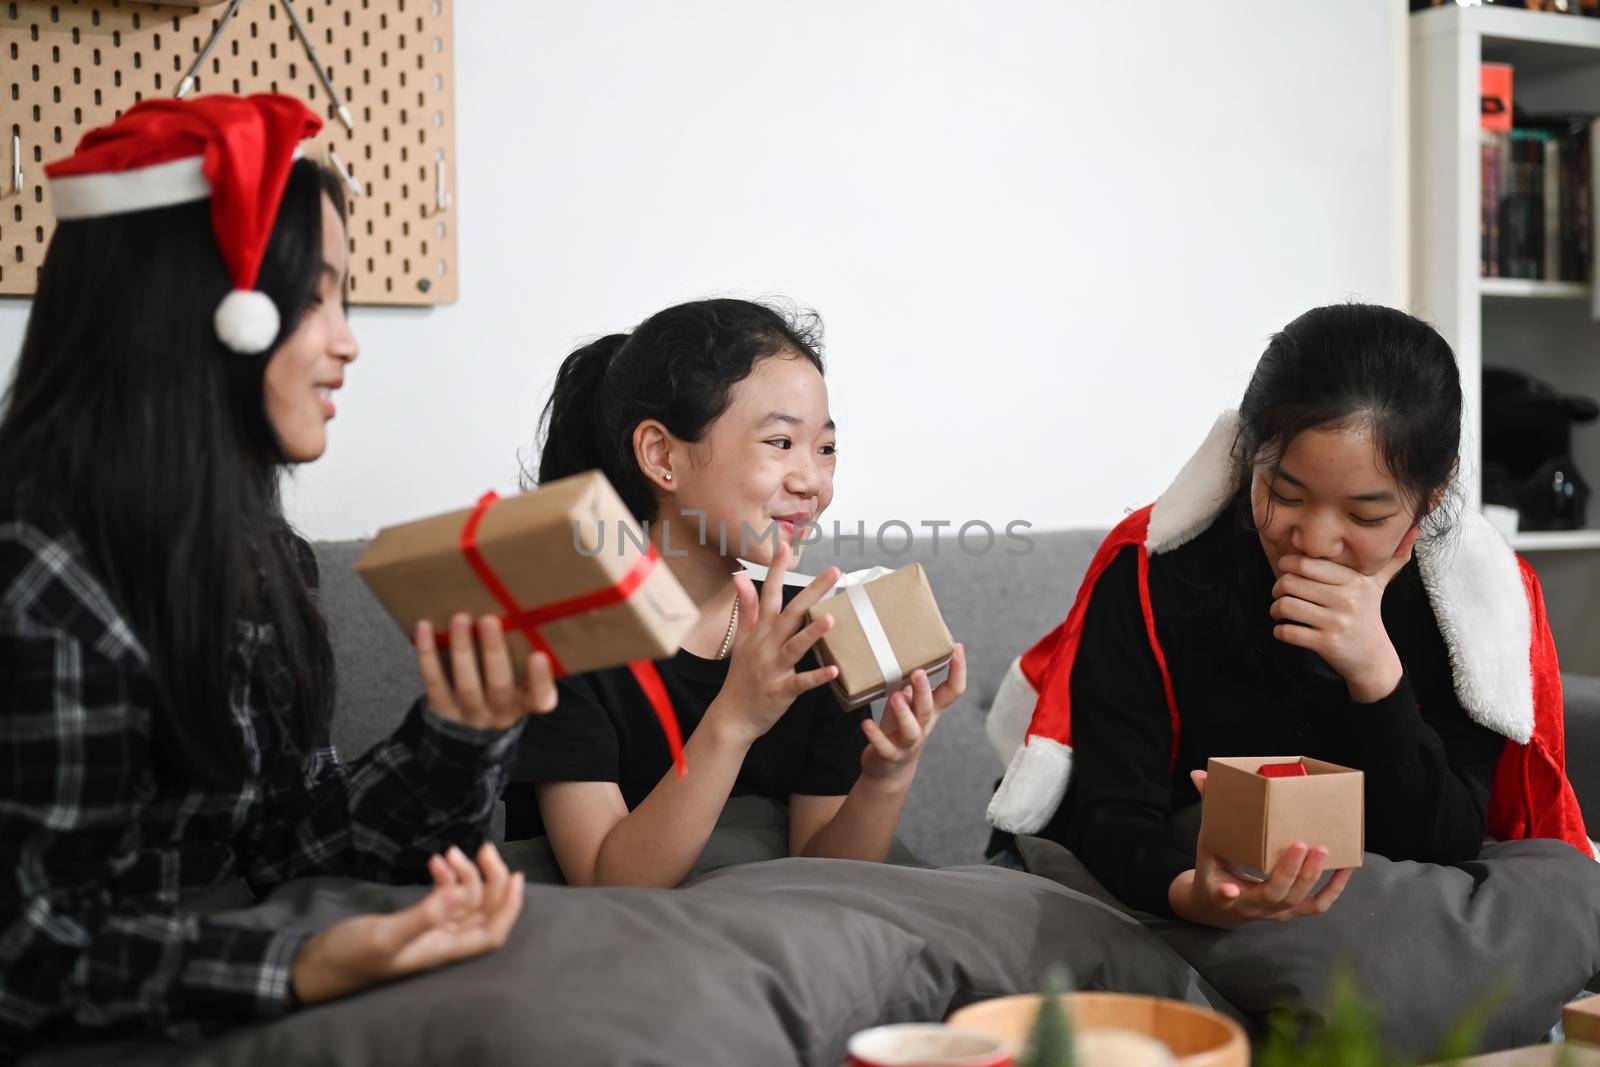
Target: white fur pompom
(247, 321)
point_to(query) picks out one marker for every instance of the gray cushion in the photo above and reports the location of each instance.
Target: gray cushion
(1516, 931)
(768, 963)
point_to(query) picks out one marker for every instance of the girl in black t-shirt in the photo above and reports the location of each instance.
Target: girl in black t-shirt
(711, 419)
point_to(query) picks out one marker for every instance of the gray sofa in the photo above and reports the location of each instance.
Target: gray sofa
(996, 603)
(779, 962)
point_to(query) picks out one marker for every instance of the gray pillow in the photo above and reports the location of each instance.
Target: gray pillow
(758, 963)
(1425, 944)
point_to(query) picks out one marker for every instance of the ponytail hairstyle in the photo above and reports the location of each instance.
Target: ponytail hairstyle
(678, 367)
(1359, 365)
(129, 421)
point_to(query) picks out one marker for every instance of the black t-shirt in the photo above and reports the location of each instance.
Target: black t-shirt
(1241, 692)
(604, 730)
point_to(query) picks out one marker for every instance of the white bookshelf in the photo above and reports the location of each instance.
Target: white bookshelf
(1554, 540)
(1543, 328)
(1512, 288)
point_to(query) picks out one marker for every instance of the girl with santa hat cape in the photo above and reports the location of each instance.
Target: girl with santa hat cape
(167, 680)
(1305, 586)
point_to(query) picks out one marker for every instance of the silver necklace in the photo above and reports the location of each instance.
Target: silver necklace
(733, 627)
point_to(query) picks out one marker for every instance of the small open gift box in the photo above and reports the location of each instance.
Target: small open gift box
(886, 625)
(1255, 807)
(565, 567)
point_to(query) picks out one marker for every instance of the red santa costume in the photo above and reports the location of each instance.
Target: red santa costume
(1485, 598)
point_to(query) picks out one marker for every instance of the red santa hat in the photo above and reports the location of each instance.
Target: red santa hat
(235, 150)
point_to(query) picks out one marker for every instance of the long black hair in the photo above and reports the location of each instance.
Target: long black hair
(679, 367)
(1359, 364)
(130, 422)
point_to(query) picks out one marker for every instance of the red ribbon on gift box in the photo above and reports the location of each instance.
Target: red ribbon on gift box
(527, 621)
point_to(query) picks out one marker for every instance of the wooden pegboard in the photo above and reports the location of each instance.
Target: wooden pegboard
(71, 65)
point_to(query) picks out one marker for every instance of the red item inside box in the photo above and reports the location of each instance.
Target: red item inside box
(1282, 770)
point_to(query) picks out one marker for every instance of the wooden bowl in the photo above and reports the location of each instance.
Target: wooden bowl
(1197, 1037)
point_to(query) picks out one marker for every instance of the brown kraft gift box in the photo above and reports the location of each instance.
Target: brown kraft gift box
(530, 544)
(1252, 820)
(904, 604)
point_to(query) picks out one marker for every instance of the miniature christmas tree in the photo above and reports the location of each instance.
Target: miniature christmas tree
(1050, 1042)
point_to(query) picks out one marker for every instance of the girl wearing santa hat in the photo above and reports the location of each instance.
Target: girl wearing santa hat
(712, 421)
(167, 679)
(1305, 586)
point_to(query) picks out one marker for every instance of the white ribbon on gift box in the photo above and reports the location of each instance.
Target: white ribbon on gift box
(852, 585)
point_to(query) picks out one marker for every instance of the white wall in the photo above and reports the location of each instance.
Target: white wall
(1048, 239)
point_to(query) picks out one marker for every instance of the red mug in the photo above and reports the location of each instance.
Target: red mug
(926, 1045)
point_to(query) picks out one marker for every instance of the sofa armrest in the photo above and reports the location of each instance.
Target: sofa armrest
(1582, 693)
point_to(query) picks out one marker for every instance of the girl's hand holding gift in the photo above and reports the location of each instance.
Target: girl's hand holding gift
(909, 717)
(1216, 894)
(762, 681)
(481, 690)
(1337, 612)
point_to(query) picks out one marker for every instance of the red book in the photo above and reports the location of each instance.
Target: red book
(1494, 87)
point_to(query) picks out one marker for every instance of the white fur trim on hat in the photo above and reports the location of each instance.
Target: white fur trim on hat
(1033, 787)
(85, 196)
(1199, 492)
(1011, 712)
(247, 321)
(1475, 585)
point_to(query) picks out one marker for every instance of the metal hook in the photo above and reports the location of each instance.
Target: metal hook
(16, 165)
(443, 194)
(350, 183)
(316, 64)
(205, 52)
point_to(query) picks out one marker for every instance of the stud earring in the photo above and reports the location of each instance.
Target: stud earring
(667, 476)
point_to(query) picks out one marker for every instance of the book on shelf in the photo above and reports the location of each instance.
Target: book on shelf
(1536, 209)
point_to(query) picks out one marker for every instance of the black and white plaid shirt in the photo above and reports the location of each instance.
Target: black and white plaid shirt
(99, 852)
